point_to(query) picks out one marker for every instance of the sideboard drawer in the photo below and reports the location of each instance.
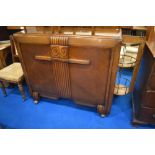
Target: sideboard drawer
(147, 115)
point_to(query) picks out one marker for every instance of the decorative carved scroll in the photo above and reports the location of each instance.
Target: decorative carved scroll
(59, 51)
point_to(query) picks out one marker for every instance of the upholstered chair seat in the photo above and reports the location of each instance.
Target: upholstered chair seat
(12, 72)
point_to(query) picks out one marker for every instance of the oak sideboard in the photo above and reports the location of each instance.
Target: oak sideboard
(81, 68)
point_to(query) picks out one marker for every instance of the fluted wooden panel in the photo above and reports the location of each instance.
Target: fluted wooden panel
(59, 40)
(59, 49)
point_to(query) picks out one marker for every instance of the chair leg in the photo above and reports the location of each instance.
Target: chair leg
(20, 86)
(3, 88)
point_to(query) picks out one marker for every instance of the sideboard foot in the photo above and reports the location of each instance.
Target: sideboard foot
(36, 97)
(101, 111)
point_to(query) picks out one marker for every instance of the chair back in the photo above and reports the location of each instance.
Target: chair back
(15, 57)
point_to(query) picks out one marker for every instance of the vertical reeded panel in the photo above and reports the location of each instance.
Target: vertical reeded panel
(59, 50)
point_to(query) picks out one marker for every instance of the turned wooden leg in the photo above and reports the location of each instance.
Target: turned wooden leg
(36, 97)
(20, 86)
(3, 88)
(100, 109)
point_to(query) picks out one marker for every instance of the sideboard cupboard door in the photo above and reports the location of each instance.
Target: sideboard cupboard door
(89, 82)
(38, 69)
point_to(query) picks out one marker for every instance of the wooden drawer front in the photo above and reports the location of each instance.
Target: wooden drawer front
(147, 115)
(149, 100)
(152, 82)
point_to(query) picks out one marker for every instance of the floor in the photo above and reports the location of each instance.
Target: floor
(62, 114)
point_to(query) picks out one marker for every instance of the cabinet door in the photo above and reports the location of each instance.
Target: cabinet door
(89, 81)
(39, 71)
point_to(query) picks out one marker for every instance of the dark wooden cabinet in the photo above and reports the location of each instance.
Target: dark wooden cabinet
(82, 68)
(144, 92)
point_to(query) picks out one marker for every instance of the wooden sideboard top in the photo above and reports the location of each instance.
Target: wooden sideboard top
(75, 40)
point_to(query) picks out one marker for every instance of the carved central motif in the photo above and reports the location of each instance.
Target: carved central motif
(60, 50)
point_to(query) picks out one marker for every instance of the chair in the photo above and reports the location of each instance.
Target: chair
(13, 73)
